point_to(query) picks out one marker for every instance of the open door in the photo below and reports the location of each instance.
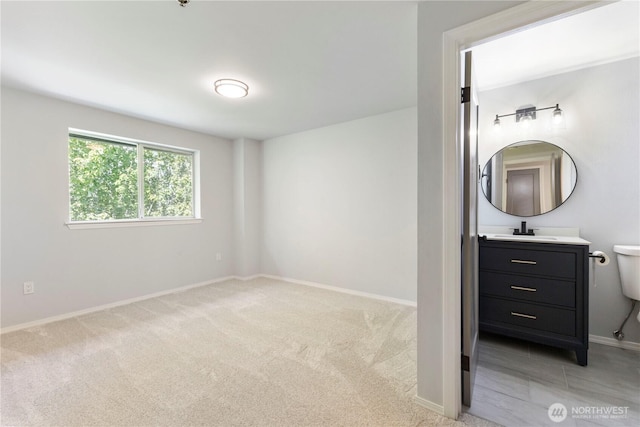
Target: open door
(469, 228)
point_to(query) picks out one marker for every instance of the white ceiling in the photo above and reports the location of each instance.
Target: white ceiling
(601, 35)
(308, 64)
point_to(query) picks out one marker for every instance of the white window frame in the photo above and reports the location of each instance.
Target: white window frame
(141, 220)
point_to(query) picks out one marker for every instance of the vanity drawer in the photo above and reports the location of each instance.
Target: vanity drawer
(529, 288)
(533, 316)
(527, 261)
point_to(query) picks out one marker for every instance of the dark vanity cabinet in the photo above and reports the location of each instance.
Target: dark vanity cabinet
(537, 292)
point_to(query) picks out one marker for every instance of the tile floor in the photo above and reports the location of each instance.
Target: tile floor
(518, 381)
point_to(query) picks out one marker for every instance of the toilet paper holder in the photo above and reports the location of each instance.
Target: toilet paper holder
(600, 256)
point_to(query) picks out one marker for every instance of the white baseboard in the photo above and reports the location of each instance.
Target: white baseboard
(439, 409)
(65, 316)
(245, 278)
(342, 290)
(72, 314)
(627, 345)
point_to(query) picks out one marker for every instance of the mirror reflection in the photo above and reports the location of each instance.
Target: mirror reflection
(529, 178)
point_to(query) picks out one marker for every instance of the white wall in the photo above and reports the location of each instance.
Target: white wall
(79, 269)
(247, 169)
(341, 211)
(602, 135)
(340, 205)
(434, 18)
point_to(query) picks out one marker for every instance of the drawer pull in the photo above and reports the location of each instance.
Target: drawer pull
(522, 288)
(528, 316)
(520, 261)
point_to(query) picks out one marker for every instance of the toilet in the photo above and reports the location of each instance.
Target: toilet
(628, 257)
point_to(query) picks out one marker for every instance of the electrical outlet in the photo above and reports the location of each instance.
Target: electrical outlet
(29, 288)
(218, 256)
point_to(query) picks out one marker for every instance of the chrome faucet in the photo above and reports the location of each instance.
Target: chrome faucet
(523, 230)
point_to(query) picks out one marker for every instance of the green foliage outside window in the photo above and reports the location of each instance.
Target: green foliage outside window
(167, 184)
(103, 181)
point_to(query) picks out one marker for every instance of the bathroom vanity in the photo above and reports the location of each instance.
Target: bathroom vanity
(536, 288)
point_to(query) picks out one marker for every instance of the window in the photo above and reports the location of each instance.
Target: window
(115, 179)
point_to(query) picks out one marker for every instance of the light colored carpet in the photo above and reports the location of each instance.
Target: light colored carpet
(255, 353)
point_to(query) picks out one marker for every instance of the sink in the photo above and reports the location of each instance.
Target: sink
(525, 237)
(564, 237)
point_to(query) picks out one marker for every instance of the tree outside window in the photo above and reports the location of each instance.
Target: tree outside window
(113, 180)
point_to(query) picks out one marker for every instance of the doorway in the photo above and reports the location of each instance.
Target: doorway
(523, 191)
(454, 42)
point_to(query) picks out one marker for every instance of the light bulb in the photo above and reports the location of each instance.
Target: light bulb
(557, 115)
(526, 121)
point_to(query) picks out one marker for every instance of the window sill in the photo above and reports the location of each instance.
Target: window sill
(76, 225)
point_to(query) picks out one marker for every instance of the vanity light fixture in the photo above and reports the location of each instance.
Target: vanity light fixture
(557, 115)
(496, 123)
(231, 88)
(526, 115)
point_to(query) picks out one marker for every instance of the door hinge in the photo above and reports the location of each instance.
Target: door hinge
(465, 363)
(465, 95)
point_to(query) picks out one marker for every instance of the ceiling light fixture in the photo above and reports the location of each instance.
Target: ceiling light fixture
(183, 3)
(231, 88)
(526, 115)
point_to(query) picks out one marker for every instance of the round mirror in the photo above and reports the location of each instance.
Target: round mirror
(529, 178)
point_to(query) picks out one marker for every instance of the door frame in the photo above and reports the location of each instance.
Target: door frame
(455, 41)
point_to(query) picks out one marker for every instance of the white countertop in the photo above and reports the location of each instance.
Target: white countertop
(566, 236)
(565, 240)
